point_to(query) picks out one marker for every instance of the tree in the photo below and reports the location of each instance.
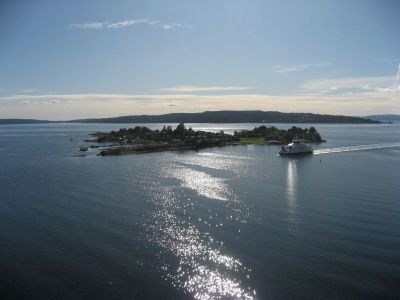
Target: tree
(180, 129)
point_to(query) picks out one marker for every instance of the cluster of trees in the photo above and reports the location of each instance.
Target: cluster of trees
(123, 134)
(166, 134)
(191, 137)
(179, 131)
(271, 133)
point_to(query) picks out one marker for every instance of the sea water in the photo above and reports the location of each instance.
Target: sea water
(235, 222)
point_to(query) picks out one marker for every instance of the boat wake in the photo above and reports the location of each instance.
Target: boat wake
(356, 148)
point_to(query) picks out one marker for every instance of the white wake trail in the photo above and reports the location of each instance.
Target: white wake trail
(356, 148)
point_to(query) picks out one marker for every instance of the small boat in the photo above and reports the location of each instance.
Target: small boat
(83, 148)
(296, 147)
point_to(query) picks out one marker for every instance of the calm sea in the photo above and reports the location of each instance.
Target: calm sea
(236, 222)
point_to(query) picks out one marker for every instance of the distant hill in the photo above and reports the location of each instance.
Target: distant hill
(385, 118)
(22, 121)
(226, 116)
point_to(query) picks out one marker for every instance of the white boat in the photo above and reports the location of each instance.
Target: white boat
(296, 147)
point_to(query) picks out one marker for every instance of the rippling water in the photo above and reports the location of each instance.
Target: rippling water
(236, 222)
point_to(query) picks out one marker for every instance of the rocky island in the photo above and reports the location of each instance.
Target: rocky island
(141, 139)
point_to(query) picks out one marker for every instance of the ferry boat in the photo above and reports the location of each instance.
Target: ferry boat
(296, 147)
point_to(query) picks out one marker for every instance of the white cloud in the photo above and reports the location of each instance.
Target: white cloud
(173, 103)
(29, 91)
(126, 23)
(54, 101)
(96, 25)
(354, 83)
(295, 68)
(194, 89)
(287, 69)
(397, 80)
(378, 84)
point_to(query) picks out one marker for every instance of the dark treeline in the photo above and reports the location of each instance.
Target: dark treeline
(272, 133)
(22, 121)
(225, 116)
(142, 135)
(251, 116)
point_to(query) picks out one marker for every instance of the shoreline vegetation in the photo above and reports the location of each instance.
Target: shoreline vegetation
(141, 139)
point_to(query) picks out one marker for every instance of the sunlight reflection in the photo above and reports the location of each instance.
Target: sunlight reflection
(291, 189)
(203, 183)
(236, 164)
(203, 269)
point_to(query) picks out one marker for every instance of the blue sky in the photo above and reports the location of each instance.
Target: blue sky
(72, 59)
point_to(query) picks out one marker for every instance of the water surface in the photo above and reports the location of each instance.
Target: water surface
(236, 222)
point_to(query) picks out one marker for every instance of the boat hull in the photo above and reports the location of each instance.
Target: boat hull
(288, 153)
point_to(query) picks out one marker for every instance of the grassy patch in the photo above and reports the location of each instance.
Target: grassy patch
(253, 141)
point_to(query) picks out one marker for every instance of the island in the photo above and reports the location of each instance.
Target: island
(141, 139)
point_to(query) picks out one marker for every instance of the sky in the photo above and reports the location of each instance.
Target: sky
(72, 59)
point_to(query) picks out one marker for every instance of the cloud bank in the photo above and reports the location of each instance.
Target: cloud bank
(357, 96)
(295, 68)
(73, 106)
(128, 23)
